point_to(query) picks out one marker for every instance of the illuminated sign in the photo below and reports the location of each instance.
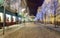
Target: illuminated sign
(8, 18)
(19, 18)
(1, 17)
(14, 19)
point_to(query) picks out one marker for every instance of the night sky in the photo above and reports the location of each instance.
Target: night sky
(33, 6)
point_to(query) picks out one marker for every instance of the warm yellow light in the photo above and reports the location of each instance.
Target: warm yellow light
(59, 1)
(47, 1)
(23, 9)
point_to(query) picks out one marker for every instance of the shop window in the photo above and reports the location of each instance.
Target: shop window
(7, 19)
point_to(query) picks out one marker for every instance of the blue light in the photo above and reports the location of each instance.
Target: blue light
(45, 9)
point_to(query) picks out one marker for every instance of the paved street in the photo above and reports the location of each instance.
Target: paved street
(31, 30)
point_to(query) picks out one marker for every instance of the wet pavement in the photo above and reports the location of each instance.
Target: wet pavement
(31, 30)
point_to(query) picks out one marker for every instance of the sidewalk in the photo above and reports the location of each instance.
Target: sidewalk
(10, 29)
(52, 27)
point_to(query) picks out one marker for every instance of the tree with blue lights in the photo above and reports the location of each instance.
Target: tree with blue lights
(46, 8)
(55, 3)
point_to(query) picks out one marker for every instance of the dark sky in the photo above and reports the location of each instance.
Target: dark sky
(33, 5)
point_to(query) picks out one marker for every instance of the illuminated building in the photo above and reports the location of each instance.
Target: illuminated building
(58, 12)
(48, 11)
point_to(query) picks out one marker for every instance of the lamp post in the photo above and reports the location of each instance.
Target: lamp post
(55, 7)
(19, 2)
(4, 19)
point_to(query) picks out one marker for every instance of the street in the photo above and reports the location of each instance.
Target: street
(29, 18)
(31, 30)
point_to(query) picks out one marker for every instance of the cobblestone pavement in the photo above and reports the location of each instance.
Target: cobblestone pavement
(32, 30)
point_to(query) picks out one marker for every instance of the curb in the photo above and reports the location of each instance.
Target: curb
(53, 28)
(18, 26)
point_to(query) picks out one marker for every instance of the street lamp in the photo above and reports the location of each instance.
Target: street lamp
(4, 19)
(55, 7)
